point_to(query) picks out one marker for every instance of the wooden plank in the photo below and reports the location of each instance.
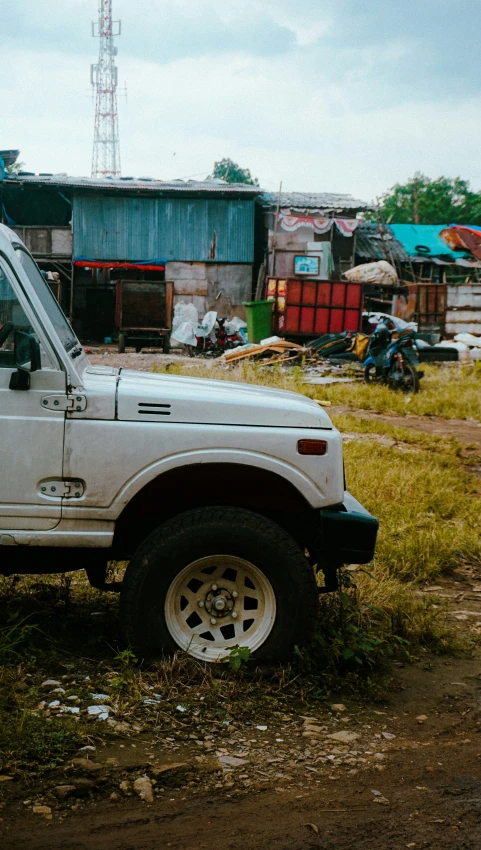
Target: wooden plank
(280, 347)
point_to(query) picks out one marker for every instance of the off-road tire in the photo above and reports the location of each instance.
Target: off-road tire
(122, 343)
(214, 531)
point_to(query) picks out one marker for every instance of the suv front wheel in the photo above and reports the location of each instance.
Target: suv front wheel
(216, 578)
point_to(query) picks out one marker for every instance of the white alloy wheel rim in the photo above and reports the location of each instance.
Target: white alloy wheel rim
(217, 603)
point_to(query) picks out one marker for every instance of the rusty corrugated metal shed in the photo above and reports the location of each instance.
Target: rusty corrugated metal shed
(183, 229)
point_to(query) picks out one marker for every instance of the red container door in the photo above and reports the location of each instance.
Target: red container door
(315, 307)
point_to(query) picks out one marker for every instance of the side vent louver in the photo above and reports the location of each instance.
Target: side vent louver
(148, 408)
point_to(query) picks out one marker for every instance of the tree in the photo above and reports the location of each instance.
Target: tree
(15, 168)
(229, 171)
(425, 201)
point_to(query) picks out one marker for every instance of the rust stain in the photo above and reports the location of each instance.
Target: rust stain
(213, 246)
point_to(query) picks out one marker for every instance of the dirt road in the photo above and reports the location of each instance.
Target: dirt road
(468, 432)
(426, 793)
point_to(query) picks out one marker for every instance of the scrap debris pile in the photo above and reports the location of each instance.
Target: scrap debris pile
(227, 340)
(270, 351)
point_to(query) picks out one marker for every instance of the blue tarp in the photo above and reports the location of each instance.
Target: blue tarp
(423, 240)
(114, 262)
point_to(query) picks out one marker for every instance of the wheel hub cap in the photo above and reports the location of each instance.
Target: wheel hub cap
(217, 603)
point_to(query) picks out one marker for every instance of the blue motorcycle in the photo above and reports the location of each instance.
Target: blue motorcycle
(392, 361)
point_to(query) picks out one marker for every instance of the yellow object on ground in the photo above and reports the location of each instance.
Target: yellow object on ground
(359, 345)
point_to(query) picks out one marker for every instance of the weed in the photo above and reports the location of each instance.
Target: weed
(124, 681)
(14, 637)
(29, 741)
(237, 656)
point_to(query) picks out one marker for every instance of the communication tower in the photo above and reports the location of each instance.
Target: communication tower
(104, 79)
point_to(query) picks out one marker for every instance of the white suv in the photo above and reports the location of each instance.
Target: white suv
(223, 497)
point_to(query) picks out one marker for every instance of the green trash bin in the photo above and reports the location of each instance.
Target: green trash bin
(259, 319)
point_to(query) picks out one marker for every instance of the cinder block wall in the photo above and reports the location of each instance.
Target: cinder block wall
(212, 286)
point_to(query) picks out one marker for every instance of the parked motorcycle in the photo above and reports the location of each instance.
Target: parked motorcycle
(215, 336)
(391, 361)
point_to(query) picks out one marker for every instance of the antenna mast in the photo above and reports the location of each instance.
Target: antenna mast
(104, 79)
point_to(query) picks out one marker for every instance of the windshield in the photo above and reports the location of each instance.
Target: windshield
(49, 302)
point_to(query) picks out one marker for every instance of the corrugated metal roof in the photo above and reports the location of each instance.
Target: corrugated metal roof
(313, 201)
(141, 184)
(9, 157)
(374, 243)
(183, 229)
(423, 240)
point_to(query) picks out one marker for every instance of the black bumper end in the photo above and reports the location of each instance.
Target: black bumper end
(348, 532)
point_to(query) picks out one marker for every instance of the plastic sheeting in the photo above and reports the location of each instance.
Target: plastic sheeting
(468, 339)
(188, 332)
(184, 313)
(381, 273)
(399, 324)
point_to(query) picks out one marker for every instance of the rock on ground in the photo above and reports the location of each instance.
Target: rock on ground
(143, 787)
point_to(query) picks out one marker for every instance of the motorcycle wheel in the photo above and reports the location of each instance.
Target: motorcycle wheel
(411, 378)
(370, 374)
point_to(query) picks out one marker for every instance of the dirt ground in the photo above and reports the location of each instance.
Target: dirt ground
(409, 777)
(424, 791)
(466, 432)
(144, 361)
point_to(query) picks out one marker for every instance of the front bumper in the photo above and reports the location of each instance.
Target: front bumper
(348, 532)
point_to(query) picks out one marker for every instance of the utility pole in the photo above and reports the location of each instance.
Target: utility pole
(416, 201)
(104, 79)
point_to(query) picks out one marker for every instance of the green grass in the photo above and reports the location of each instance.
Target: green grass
(452, 391)
(427, 503)
(32, 742)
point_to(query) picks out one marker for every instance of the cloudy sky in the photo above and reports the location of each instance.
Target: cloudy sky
(325, 96)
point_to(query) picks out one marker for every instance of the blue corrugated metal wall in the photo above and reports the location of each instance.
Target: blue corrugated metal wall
(182, 229)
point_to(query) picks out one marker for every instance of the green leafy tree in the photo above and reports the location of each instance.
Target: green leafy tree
(424, 201)
(15, 168)
(229, 171)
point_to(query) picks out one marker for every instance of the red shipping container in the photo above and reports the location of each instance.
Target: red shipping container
(310, 308)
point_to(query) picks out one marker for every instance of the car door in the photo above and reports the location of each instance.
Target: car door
(31, 429)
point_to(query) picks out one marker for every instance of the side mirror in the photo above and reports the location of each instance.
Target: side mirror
(26, 352)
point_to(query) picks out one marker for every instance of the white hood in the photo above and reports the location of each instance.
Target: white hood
(171, 398)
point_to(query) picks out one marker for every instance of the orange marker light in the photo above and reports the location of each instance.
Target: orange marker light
(312, 447)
